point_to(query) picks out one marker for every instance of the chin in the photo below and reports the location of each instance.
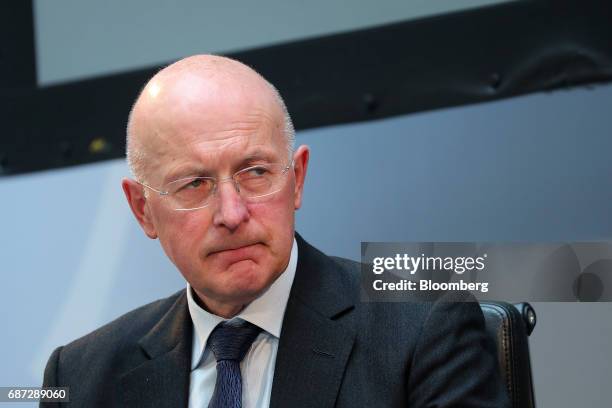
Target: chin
(248, 279)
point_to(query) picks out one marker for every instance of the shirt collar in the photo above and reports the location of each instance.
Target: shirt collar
(266, 311)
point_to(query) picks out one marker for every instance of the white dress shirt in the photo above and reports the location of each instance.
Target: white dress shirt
(257, 367)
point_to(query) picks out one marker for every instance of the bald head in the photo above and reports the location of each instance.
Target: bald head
(190, 89)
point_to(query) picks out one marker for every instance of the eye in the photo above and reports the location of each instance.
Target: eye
(257, 171)
(194, 183)
(189, 184)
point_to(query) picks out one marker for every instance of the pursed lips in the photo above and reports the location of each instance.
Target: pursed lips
(232, 248)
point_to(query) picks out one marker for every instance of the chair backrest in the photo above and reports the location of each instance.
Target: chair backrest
(510, 326)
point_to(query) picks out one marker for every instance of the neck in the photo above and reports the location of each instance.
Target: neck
(222, 309)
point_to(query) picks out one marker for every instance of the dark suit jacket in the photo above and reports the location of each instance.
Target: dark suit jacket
(334, 350)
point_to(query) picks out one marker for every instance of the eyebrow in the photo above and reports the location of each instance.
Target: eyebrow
(257, 155)
(182, 172)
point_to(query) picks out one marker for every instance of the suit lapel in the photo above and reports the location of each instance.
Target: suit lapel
(315, 344)
(317, 335)
(162, 380)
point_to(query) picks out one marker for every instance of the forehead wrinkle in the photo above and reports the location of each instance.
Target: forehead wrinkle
(167, 135)
(206, 163)
(247, 125)
(258, 125)
(180, 155)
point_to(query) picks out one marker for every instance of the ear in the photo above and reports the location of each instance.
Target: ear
(300, 165)
(134, 193)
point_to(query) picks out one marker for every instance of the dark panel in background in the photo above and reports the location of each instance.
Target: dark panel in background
(17, 53)
(460, 58)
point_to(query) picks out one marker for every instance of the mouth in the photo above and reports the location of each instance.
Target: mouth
(235, 253)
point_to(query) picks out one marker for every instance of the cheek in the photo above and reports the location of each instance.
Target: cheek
(275, 215)
(182, 235)
(276, 218)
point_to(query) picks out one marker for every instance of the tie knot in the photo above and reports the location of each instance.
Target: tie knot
(231, 341)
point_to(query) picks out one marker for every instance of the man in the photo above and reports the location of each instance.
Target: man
(217, 181)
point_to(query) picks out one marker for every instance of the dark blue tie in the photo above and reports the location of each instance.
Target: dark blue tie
(229, 342)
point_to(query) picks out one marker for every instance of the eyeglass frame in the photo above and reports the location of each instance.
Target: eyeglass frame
(216, 183)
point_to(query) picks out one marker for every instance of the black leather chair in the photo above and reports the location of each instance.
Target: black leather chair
(510, 326)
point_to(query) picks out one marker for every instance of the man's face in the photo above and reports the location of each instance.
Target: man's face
(233, 249)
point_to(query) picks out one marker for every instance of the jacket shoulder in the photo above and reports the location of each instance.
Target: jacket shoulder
(119, 333)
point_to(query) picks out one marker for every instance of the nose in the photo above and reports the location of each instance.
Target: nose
(231, 210)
